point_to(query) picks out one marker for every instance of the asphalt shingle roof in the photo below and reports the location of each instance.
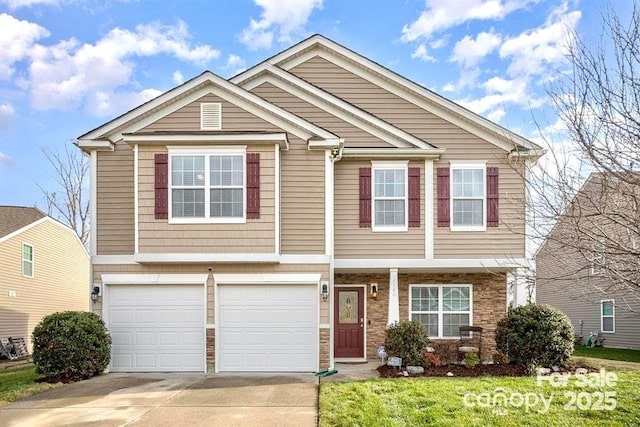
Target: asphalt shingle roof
(13, 218)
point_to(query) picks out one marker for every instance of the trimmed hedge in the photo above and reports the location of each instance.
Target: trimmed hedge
(535, 335)
(408, 341)
(71, 346)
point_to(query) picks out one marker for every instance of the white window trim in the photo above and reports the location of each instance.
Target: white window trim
(441, 312)
(380, 165)
(198, 151)
(463, 165)
(32, 261)
(597, 265)
(612, 316)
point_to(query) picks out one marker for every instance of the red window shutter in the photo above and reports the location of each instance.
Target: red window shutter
(253, 185)
(161, 186)
(443, 197)
(414, 197)
(493, 192)
(365, 197)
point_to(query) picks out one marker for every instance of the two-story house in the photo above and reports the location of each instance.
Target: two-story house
(281, 219)
(588, 264)
(44, 268)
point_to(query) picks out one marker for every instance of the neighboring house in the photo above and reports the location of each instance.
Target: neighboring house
(44, 268)
(586, 263)
(280, 220)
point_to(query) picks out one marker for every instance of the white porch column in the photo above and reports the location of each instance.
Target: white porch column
(394, 301)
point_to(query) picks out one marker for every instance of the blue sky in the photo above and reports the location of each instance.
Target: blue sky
(67, 66)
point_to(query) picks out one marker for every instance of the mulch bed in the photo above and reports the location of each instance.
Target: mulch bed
(458, 371)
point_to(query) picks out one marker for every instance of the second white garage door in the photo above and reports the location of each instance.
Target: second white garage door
(267, 328)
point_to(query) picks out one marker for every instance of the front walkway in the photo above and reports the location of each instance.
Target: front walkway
(355, 371)
(172, 400)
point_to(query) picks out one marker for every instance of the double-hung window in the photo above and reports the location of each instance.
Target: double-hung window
(607, 316)
(468, 197)
(207, 186)
(27, 260)
(442, 309)
(390, 196)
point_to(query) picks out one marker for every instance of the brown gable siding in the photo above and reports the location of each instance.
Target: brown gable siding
(460, 145)
(158, 236)
(114, 206)
(352, 241)
(354, 136)
(187, 118)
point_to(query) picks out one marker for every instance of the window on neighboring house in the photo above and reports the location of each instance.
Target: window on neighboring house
(208, 187)
(442, 309)
(608, 316)
(27, 260)
(598, 259)
(389, 197)
(468, 197)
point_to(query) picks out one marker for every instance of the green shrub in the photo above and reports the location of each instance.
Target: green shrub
(535, 335)
(407, 340)
(471, 360)
(71, 346)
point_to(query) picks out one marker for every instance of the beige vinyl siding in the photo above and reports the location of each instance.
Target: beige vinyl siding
(187, 118)
(60, 281)
(114, 205)
(353, 136)
(322, 269)
(158, 236)
(351, 241)
(302, 201)
(564, 281)
(507, 240)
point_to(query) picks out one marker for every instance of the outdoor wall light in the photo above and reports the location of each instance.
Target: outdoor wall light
(374, 290)
(95, 292)
(324, 290)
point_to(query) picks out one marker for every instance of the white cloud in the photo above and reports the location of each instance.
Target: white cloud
(178, 78)
(279, 20)
(7, 115)
(68, 75)
(235, 64)
(532, 51)
(15, 4)
(469, 51)
(440, 15)
(5, 159)
(16, 41)
(421, 53)
(496, 114)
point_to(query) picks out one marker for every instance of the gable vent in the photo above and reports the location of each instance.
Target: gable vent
(210, 116)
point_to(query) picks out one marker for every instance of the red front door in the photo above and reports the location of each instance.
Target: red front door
(349, 322)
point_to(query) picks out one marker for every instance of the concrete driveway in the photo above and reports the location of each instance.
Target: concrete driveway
(172, 400)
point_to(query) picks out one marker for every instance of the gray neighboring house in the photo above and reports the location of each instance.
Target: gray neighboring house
(579, 277)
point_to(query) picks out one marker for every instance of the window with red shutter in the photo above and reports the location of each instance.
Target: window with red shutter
(443, 197)
(414, 197)
(161, 186)
(365, 197)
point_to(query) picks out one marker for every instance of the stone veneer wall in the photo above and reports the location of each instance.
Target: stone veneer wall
(324, 348)
(489, 302)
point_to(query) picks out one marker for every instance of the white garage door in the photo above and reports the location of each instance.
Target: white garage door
(267, 328)
(156, 328)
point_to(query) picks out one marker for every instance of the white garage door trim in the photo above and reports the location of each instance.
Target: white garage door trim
(273, 279)
(159, 280)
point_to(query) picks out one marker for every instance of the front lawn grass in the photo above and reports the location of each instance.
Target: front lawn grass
(20, 383)
(440, 401)
(608, 353)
